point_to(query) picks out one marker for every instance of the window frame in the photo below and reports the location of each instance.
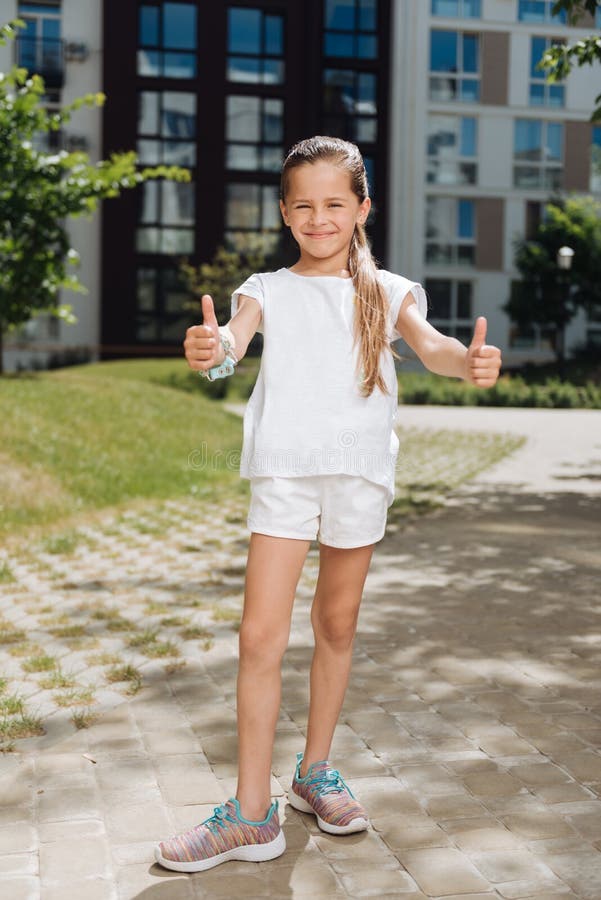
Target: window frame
(453, 259)
(459, 159)
(454, 325)
(161, 49)
(263, 56)
(539, 78)
(356, 34)
(458, 75)
(460, 14)
(542, 165)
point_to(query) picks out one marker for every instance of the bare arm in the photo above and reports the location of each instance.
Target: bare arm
(479, 363)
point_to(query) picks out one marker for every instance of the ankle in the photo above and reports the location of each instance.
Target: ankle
(252, 810)
(306, 764)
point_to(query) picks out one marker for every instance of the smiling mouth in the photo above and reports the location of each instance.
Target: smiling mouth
(320, 234)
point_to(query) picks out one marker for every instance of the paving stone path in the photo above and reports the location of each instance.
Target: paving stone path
(471, 728)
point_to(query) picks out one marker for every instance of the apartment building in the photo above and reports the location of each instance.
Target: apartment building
(463, 140)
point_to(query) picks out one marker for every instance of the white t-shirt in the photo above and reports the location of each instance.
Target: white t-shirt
(306, 415)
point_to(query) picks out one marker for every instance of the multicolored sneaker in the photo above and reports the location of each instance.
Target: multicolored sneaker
(324, 793)
(224, 835)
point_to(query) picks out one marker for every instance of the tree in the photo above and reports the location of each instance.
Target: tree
(546, 295)
(256, 252)
(41, 191)
(559, 60)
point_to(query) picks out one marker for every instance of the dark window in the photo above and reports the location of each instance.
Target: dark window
(167, 128)
(350, 28)
(255, 46)
(252, 214)
(451, 306)
(39, 45)
(254, 133)
(350, 105)
(159, 306)
(167, 40)
(166, 134)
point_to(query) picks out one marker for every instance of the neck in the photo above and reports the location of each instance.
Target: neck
(310, 265)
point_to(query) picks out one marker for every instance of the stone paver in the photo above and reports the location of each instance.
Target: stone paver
(471, 728)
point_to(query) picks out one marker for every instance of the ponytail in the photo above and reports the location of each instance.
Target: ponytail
(371, 309)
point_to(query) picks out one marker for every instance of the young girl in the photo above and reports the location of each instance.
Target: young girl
(319, 449)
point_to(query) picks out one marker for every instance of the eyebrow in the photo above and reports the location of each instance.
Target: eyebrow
(302, 200)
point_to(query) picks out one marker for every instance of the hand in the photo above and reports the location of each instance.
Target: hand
(483, 361)
(202, 346)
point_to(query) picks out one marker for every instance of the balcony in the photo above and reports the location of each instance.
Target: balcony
(42, 56)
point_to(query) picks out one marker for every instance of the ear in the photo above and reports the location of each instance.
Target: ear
(363, 212)
(284, 213)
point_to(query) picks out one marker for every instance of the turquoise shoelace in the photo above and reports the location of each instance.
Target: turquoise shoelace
(329, 781)
(221, 816)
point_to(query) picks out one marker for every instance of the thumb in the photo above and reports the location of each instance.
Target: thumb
(479, 337)
(208, 312)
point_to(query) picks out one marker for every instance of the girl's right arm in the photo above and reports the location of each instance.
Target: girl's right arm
(202, 346)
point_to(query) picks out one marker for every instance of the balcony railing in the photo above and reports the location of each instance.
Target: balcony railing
(43, 56)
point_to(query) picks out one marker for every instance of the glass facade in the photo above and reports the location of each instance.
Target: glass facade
(452, 149)
(255, 47)
(451, 307)
(538, 154)
(39, 44)
(167, 40)
(450, 231)
(595, 177)
(454, 66)
(537, 11)
(350, 28)
(254, 132)
(541, 93)
(452, 9)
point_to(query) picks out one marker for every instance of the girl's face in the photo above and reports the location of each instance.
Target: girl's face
(322, 210)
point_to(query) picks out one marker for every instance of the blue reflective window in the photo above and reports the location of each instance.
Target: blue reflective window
(368, 15)
(274, 35)
(469, 138)
(554, 141)
(470, 53)
(443, 51)
(245, 31)
(339, 44)
(538, 47)
(149, 26)
(179, 26)
(528, 138)
(256, 46)
(466, 219)
(350, 28)
(340, 14)
(537, 11)
(451, 9)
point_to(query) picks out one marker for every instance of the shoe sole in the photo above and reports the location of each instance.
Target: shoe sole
(247, 853)
(359, 824)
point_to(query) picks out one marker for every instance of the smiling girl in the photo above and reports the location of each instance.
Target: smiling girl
(320, 451)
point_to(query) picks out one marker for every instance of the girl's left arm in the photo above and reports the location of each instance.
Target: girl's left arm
(479, 363)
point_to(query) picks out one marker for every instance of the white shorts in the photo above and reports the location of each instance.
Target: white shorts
(339, 510)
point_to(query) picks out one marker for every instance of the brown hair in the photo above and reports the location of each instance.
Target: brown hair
(371, 302)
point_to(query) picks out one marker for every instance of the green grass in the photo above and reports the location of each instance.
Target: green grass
(88, 437)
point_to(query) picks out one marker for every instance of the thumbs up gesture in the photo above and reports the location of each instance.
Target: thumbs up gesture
(202, 345)
(482, 361)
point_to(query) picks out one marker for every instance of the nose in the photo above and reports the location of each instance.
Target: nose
(318, 216)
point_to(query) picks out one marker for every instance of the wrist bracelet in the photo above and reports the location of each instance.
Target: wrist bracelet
(227, 366)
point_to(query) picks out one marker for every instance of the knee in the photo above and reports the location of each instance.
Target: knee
(336, 629)
(261, 645)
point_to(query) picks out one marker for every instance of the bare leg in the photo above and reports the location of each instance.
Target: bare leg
(334, 614)
(272, 573)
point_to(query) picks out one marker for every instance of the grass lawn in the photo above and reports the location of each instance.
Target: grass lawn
(89, 437)
(110, 434)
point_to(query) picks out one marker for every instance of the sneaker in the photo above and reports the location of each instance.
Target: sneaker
(224, 835)
(324, 793)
